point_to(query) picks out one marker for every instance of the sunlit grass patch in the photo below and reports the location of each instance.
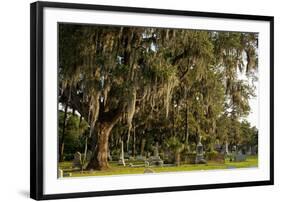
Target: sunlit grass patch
(115, 169)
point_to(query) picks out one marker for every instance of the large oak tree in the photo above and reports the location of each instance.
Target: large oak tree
(112, 74)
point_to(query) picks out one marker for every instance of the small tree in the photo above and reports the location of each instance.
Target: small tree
(174, 144)
(70, 137)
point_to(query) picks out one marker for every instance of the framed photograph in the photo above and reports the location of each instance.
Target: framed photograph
(131, 100)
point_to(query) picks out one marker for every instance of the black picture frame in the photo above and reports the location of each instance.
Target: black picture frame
(37, 99)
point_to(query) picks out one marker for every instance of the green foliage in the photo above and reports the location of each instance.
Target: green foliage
(174, 144)
(173, 86)
(74, 133)
(249, 135)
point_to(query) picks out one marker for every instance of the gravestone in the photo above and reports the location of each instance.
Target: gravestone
(168, 157)
(226, 148)
(146, 164)
(77, 160)
(88, 156)
(255, 150)
(148, 170)
(155, 151)
(121, 160)
(218, 147)
(155, 159)
(239, 157)
(60, 173)
(249, 151)
(67, 174)
(200, 154)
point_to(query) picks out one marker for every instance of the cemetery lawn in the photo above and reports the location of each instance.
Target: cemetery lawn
(115, 169)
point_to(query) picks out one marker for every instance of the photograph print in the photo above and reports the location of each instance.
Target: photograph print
(137, 100)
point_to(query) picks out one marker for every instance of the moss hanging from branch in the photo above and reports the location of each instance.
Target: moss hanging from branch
(168, 87)
(131, 109)
(130, 113)
(105, 93)
(94, 108)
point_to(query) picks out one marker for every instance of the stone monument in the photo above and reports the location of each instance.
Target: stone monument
(60, 173)
(199, 153)
(89, 155)
(77, 160)
(121, 160)
(239, 157)
(155, 159)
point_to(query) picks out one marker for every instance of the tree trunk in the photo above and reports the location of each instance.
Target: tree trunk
(213, 138)
(100, 144)
(212, 143)
(99, 159)
(186, 127)
(226, 147)
(143, 140)
(85, 154)
(212, 146)
(177, 158)
(174, 121)
(128, 142)
(121, 157)
(134, 142)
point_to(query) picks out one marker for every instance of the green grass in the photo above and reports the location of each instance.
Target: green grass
(115, 169)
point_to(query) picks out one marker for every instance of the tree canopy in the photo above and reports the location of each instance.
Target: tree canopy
(157, 82)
